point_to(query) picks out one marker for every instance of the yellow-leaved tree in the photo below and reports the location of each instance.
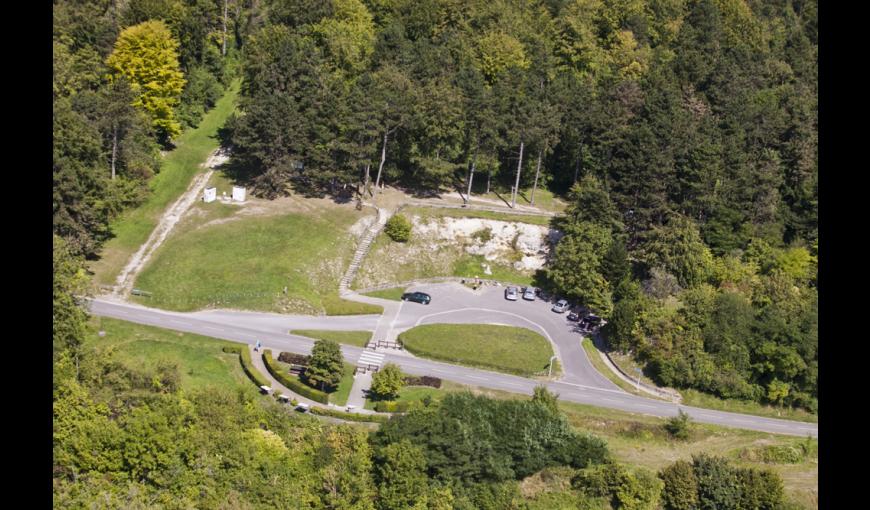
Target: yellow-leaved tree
(147, 55)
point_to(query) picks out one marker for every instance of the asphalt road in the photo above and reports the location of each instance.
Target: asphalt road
(451, 303)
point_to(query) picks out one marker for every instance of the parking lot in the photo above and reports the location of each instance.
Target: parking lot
(457, 304)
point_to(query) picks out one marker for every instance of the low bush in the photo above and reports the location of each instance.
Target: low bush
(426, 380)
(398, 228)
(678, 426)
(247, 365)
(294, 359)
(350, 416)
(295, 385)
(781, 453)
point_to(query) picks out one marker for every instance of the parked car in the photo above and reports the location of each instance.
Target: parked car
(590, 323)
(511, 294)
(417, 297)
(529, 293)
(573, 316)
(561, 306)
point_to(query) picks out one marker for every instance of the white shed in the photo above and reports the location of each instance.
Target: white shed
(238, 193)
(210, 195)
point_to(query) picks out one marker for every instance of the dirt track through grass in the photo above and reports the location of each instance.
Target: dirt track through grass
(179, 167)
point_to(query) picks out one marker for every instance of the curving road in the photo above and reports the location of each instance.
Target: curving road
(451, 303)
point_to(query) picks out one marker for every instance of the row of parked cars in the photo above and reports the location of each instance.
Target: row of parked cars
(587, 321)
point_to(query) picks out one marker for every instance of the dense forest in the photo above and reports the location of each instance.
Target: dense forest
(127, 78)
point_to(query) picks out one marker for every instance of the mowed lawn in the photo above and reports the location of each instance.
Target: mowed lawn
(245, 263)
(503, 348)
(177, 170)
(200, 360)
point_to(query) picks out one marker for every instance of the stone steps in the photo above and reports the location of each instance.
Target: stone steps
(362, 250)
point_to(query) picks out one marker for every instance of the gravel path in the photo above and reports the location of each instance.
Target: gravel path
(124, 283)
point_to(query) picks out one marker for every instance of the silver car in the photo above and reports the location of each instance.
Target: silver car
(511, 294)
(561, 306)
(529, 294)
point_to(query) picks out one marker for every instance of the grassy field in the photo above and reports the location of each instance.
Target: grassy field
(395, 293)
(202, 363)
(229, 257)
(502, 348)
(357, 338)
(415, 393)
(177, 170)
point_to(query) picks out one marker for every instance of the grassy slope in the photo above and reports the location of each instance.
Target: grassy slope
(357, 338)
(245, 263)
(699, 399)
(502, 348)
(178, 169)
(201, 362)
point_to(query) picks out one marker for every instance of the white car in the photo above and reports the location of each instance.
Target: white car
(529, 294)
(511, 294)
(561, 306)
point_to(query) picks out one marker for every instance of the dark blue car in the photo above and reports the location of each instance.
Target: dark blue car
(417, 297)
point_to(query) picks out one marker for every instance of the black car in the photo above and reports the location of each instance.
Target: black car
(417, 297)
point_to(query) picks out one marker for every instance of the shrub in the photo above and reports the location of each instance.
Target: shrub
(426, 380)
(350, 416)
(294, 359)
(483, 235)
(391, 406)
(678, 426)
(295, 385)
(681, 486)
(247, 366)
(398, 228)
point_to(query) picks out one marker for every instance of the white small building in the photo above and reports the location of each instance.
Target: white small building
(210, 195)
(238, 193)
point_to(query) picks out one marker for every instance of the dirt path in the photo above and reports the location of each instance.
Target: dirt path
(124, 283)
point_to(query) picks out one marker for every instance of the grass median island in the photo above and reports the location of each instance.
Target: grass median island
(177, 170)
(357, 338)
(394, 294)
(246, 263)
(507, 349)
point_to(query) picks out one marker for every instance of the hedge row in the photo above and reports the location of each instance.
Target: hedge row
(294, 359)
(426, 380)
(247, 365)
(376, 418)
(391, 406)
(295, 385)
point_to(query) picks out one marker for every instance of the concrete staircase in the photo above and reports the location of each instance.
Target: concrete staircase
(362, 250)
